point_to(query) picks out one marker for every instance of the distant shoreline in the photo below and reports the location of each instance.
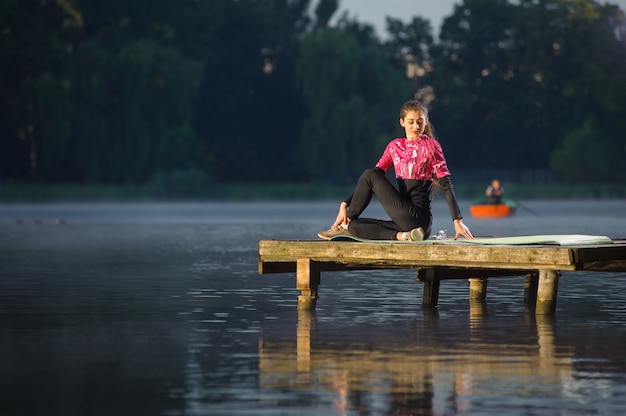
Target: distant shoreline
(27, 192)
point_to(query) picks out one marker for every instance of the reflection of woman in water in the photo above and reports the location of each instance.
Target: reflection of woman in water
(494, 192)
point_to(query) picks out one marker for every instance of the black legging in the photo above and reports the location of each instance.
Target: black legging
(404, 215)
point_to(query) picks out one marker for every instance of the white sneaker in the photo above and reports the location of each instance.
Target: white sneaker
(416, 234)
(328, 234)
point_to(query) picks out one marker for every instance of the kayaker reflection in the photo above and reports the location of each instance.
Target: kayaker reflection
(494, 192)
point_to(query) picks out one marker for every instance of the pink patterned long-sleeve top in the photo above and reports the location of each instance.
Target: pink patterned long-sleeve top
(420, 159)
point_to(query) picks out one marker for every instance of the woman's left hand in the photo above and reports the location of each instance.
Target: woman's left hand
(462, 229)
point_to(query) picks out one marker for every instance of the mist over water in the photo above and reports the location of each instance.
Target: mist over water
(159, 309)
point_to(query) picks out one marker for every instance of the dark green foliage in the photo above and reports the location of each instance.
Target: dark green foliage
(586, 155)
(347, 80)
(130, 98)
(181, 184)
(513, 80)
(179, 149)
(180, 94)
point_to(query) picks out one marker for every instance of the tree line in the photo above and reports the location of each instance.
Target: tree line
(132, 91)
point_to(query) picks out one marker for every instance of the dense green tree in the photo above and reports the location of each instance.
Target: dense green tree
(351, 88)
(247, 112)
(591, 80)
(324, 11)
(473, 93)
(179, 149)
(586, 156)
(130, 97)
(514, 79)
(133, 85)
(92, 86)
(410, 45)
(328, 72)
(36, 42)
(51, 142)
(119, 91)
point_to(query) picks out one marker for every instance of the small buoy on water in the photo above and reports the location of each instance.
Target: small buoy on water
(59, 221)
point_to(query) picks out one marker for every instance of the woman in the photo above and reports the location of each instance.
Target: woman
(420, 167)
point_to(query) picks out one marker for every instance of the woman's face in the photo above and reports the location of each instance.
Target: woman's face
(414, 124)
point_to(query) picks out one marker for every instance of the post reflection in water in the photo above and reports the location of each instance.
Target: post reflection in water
(417, 370)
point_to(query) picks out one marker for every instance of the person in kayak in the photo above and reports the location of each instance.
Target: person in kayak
(494, 192)
(420, 169)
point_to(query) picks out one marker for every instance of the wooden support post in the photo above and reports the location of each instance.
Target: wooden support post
(307, 282)
(431, 280)
(477, 297)
(547, 291)
(531, 282)
(478, 288)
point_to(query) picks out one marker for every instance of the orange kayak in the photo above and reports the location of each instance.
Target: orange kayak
(491, 210)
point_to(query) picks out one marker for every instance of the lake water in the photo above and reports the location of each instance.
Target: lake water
(158, 309)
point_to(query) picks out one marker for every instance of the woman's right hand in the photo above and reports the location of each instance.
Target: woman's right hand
(342, 216)
(461, 229)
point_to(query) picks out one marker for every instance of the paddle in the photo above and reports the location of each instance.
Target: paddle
(480, 199)
(532, 211)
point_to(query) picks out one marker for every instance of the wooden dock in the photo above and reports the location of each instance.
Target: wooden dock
(540, 264)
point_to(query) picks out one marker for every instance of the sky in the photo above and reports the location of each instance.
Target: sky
(374, 11)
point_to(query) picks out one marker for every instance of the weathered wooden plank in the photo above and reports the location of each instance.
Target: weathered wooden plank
(267, 267)
(447, 273)
(603, 266)
(601, 258)
(527, 257)
(348, 251)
